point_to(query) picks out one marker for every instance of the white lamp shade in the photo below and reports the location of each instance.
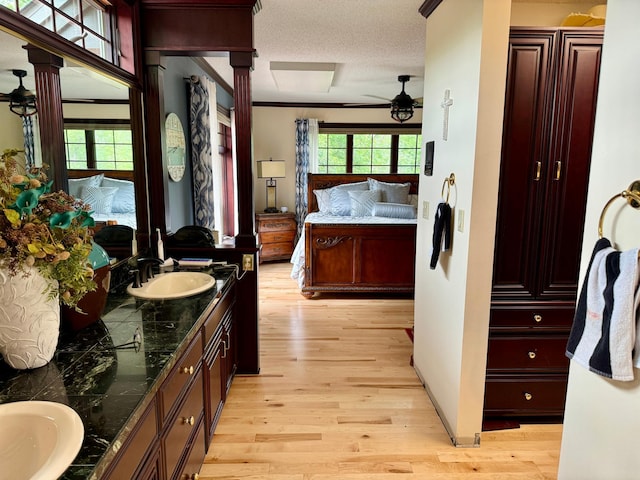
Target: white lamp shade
(271, 169)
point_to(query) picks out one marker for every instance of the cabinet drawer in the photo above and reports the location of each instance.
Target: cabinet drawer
(134, 451)
(543, 318)
(276, 225)
(528, 353)
(275, 237)
(276, 249)
(183, 426)
(518, 395)
(184, 370)
(195, 458)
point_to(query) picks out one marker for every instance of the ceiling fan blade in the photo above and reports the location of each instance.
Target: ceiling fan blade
(372, 105)
(388, 100)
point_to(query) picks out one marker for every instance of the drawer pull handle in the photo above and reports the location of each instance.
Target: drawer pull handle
(193, 476)
(532, 355)
(527, 396)
(188, 420)
(537, 318)
(188, 370)
(225, 348)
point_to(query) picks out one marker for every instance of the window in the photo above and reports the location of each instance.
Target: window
(104, 146)
(368, 152)
(84, 22)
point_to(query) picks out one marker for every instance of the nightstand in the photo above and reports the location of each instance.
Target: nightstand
(276, 234)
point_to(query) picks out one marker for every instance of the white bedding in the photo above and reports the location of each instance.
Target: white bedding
(297, 259)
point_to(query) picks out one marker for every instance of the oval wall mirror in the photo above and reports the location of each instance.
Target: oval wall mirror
(175, 147)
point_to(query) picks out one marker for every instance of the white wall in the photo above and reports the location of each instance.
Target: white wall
(274, 136)
(95, 111)
(466, 54)
(546, 13)
(11, 132)
(602, 425)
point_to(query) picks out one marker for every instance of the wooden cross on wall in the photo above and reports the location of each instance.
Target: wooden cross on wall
(446, 104)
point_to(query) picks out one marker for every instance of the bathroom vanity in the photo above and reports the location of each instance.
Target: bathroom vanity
(149, 381)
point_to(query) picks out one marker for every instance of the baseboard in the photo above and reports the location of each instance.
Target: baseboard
(462, 442)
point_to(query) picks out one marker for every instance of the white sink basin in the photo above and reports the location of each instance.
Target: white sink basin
(173, 285)
(38, 440)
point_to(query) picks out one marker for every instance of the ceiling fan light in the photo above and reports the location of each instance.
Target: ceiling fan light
(402, 104)
(22, 102)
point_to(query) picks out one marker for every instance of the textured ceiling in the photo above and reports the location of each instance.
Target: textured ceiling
(370, 41)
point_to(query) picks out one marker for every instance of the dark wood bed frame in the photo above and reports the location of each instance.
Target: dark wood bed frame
(119, 174)
(375, 258)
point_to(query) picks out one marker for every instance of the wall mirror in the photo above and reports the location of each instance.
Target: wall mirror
(97, 128)
(175, 147)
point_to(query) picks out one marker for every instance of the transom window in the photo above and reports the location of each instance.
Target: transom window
(369, 152)
(104, 146)
(86, 23)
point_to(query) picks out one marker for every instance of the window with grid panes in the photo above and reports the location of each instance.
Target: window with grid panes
(87, 23)
(102, 147)
(369, 152)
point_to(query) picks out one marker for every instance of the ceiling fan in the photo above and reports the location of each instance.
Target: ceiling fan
(22, 102)
(402, 105)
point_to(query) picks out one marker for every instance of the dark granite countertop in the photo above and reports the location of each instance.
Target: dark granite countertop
(105, 377)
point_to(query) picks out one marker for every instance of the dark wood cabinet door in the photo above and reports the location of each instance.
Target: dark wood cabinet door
(552, 85)
(524, 152)
(230, 355)
(573, 125)
(214, 384)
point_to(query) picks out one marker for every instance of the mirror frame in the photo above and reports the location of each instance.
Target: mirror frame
(39, 37)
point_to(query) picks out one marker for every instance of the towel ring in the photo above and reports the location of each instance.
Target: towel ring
(631, 195)
(449, 182)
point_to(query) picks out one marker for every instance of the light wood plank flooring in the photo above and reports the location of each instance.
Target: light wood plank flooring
(337, 399)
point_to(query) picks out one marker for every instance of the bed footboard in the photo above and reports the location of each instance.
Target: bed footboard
(359, 258)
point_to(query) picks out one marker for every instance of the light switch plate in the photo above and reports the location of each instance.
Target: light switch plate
(460, 215)
(425, 210)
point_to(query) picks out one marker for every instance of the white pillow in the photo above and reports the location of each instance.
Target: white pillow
(362, 202)
(100, 198)
(76, 184)
(413, 199)
(323, 198)
(125, 200)
(391, 192)
(340, 201)
(394, 210)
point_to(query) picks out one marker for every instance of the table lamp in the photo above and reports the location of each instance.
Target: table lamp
(271, 169)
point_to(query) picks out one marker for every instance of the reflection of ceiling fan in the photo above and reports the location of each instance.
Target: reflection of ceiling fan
(22, 102)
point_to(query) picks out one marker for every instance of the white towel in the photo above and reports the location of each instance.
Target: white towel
(605, 323)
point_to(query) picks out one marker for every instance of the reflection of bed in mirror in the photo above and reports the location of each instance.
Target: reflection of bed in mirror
(110, 193)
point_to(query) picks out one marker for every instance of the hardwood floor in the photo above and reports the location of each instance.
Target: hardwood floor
(337, 399)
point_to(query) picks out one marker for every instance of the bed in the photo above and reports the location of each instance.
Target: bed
(110, 193)
(367, 253)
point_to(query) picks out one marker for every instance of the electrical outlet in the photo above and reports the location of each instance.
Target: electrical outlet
(425, 210)
(460, 216)
(247, 262)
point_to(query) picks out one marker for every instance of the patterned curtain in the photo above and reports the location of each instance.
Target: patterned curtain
(306, 161)
(201, 160)
(29, 141)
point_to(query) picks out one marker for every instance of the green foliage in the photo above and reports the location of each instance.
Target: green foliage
(46, 230)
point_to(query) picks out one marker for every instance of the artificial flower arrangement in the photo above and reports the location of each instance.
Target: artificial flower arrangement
(46, 230)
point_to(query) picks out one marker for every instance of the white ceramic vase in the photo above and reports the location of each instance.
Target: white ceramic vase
(29, 320)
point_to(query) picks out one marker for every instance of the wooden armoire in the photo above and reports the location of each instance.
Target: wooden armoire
(551, 92)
